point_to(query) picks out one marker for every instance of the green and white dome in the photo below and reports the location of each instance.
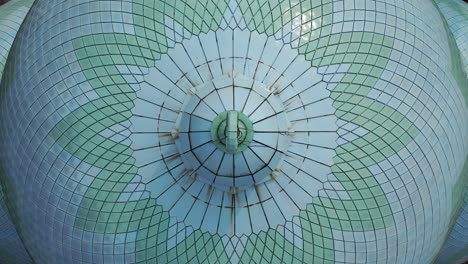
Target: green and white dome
(234, 131)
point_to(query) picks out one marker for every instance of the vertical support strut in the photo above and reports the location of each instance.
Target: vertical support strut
(232, 132)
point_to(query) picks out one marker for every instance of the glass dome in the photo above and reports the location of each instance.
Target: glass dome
(233, 131)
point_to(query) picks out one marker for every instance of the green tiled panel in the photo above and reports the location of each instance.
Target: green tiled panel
(359, 128)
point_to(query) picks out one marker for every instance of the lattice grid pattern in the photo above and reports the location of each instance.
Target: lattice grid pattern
(360, 125)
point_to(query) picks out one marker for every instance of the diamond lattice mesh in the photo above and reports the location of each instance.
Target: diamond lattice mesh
(359, 125)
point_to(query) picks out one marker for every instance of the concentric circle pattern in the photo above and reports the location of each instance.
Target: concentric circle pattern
(205, 187)
(232, 131)
(235, 131)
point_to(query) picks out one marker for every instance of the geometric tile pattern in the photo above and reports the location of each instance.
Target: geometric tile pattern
(291, 125)
(11, 17)
(455, 13)
(368, 94)
(455, 249)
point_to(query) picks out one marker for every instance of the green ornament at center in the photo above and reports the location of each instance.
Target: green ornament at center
(232, 132)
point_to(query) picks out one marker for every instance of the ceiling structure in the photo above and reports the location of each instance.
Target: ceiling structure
(234, 131)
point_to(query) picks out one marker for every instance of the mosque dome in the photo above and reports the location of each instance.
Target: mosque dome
(233, 131)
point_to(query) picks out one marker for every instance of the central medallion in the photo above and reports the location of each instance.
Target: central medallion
(232, 132)
(235, 133)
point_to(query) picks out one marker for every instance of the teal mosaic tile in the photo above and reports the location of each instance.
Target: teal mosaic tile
(355, 113)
